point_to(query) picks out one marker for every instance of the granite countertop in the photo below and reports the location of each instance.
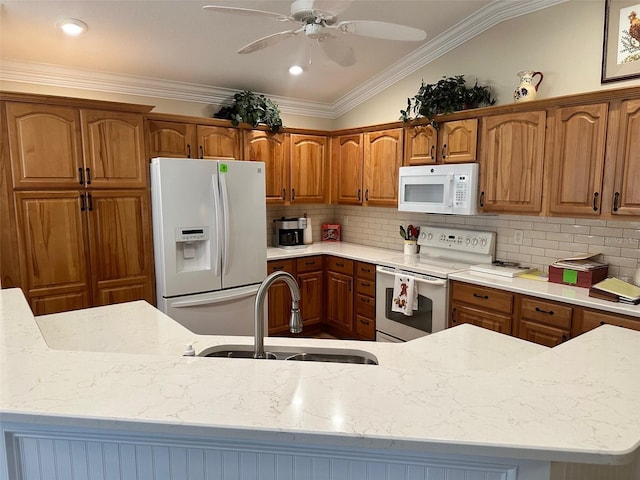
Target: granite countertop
(462, 391)
(392, 258)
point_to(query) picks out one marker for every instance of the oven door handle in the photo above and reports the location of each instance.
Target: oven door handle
(391, 271)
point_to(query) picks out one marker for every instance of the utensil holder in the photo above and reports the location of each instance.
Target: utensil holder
(410, 247)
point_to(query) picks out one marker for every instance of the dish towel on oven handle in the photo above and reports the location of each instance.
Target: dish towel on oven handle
(405, 295)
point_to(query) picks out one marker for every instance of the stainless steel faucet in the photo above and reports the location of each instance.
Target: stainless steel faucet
(295, 322)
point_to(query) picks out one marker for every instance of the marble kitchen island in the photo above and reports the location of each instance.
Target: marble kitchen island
(106, 393)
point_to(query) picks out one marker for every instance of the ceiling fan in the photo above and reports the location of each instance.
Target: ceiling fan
(318, 20)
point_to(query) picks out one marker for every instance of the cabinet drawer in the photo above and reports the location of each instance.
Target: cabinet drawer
(340, 265)
(589, 319)
(549, 313)
(483, 297)
(366, 271)
(309, 264)
(277, 265)
(366, 287)
(365, 328)
(365, 306)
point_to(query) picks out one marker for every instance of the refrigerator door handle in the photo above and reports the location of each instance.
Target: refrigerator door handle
(225, 218)
(220, 297)
(217, 214)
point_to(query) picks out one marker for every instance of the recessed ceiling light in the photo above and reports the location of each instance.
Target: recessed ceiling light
(72, 27)
(296, 70)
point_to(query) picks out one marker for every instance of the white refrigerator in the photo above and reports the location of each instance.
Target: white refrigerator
(210, 242)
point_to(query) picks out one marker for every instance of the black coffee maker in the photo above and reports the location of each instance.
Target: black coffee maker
(289, 232)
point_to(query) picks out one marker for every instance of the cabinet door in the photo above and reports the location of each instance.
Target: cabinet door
(311, 297)
(308, 160)
(121, 246)
(279, 296)
(576, 162)
(340, 301)
(44, 145)
(542, 334)
(218, 142)
(382, 160)
(270, 148)
(113, 145)
(420, 145)
(458, 141)
(511, 157)
(482, 318)
(626, 187)
(53, 253)
(171, 139)
(347, 156)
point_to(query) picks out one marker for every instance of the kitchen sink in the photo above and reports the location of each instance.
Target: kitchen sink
(304, 354)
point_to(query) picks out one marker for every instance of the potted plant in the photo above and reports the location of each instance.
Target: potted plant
(253, 109)
(448, 95)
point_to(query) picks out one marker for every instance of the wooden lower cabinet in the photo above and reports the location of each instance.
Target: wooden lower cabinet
(279, 298)
(339, 305)
(365, 301)
(537, 320)
(543, 321)
(83, 248)
(311, 282)
(481, 306)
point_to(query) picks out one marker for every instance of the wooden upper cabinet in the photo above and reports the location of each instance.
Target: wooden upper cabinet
(421, 143)
(382, 160)
(511, 162)
(308, 164)
(576, 161)
(218, 142)
(45, 146)
(346, 167)
(458, 141)
(120, 244)
(113, 149)
(171, 139)
(272, 149)
(625, 190)
(54, 252)
(454, 142)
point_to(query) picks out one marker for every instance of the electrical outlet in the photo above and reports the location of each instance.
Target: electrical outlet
(517, 237)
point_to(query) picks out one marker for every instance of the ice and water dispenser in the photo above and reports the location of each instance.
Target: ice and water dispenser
(192, 249)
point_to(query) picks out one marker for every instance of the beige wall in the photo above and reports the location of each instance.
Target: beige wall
(564, 42)
(161, 105)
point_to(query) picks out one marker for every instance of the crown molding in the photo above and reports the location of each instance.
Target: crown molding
(84, 79)
(493, 14)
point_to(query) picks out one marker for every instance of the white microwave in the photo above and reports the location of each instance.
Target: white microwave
(449, 189)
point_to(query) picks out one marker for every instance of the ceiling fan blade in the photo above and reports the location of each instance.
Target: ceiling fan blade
(336, 7)
(384, 30)
(338, 51)
(248, 12)
(267, 41)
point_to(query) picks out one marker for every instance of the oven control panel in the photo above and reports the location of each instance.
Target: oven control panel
(457, 239)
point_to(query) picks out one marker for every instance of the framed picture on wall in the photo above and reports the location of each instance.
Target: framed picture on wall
(621, 46)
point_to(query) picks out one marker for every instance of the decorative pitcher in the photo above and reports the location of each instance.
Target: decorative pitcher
(526, 91)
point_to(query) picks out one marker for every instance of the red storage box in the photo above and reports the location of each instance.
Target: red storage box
(577, 278)
(330, 232)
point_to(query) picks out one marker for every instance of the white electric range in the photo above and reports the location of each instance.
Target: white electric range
(443, 251)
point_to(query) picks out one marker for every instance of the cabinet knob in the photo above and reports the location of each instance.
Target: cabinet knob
(201, 151)
(359, 195)
(432, 154)
(482, 199)
(82, 203)
(595, 201)
(293, 194)
(546, 312)
(188, 150)
(81, 176)
(444, 151)
(616, 199)
(453, 315)
(366, 195)
(483, 297)
(284, 194)
(88, 170)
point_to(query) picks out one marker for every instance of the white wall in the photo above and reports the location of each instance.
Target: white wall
(564, 42)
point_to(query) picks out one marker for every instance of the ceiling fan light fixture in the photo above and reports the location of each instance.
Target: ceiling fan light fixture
(72, 27)
(296, 70)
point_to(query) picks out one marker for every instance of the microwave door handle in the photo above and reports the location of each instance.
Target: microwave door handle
(450, 187)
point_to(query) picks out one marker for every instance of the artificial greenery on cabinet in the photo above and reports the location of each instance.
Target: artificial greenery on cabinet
(251, 108)
(447, 95)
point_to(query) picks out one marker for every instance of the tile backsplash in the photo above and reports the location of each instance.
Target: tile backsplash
(533, 241)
